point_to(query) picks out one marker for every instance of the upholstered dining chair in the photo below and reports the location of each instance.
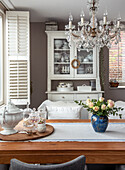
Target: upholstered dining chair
(75, 164)
(120, 167)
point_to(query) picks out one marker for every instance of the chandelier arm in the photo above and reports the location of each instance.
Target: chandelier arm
(76, 36)
(112, 36)
(85, 33)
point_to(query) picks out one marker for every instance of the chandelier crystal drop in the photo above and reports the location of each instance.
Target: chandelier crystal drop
(93, 33)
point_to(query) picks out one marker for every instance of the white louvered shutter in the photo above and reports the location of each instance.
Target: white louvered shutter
(18, 57)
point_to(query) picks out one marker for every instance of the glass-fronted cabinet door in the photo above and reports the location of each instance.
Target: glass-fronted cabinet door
(87, 60)
(61, 57)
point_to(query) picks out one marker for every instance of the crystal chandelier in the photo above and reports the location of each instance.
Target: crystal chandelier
(93, 33)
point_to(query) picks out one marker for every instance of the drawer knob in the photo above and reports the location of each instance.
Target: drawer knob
(63, 97)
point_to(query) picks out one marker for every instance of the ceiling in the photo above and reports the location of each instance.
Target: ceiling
(44, 10)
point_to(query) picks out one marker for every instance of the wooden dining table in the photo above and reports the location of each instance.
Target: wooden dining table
(59, 152)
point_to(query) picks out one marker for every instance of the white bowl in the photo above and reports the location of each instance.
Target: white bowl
(57, 46)
(86, 60)
(58, 42)
(80, 71)
(64, 89)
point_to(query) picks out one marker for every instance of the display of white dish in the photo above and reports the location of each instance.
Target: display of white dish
(62, 86)
(69, 84)
(89, 70)
(66, 43)
(84, 88)
(58, 44)
(86, 60)
(80, 68)
(58, 41)
(65, 47)
(64, 89)
(10, 116)
(81, 71)
(62, 83)
(67, 60)
(90, 57)
(57, 56)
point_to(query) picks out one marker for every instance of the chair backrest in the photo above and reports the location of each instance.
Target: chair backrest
(119, 104)
(75, 164)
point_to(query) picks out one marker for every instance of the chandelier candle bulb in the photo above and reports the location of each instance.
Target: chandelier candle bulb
(70, 24)
(82, 20)
(82, 17)
(104, 19)
(118, 23)
(70, 21)
(93, 17)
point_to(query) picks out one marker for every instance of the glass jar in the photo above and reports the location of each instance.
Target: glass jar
(42, 115)
(26, 115)
(41, 127)
(34, 118)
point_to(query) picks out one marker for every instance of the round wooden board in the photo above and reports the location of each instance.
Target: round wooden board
(23, 137)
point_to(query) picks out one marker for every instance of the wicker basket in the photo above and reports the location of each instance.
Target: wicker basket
(114, 84)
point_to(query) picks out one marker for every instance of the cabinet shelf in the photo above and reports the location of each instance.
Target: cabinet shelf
(86, 62)
(61, 49)
(72, 78)
(85, 49)
(61, 62)
(75, 91)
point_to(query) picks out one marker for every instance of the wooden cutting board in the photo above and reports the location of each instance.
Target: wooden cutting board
(24, 137)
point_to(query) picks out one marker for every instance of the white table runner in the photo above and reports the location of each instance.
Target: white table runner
(84, 132)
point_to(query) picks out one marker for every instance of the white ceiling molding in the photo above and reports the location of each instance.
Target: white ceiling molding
(59, 10)
(8, 4)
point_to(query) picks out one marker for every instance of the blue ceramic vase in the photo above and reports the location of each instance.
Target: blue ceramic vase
(99, 123)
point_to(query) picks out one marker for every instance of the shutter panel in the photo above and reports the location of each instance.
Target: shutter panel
(18, 57)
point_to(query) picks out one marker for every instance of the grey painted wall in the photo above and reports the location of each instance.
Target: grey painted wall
(38, 63)
(110, 93)
(39, 67)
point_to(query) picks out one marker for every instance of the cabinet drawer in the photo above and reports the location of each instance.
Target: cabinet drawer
(85, 96)
(64, 97)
